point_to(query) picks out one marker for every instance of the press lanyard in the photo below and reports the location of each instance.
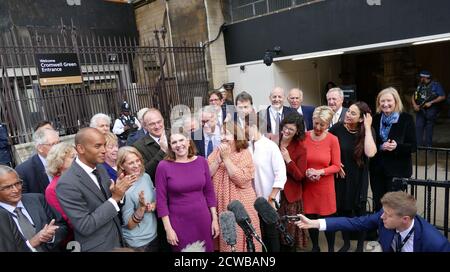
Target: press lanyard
(402, 243)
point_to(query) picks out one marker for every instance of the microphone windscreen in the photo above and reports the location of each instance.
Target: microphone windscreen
(228, 227)
(239, 211)
(268, 214)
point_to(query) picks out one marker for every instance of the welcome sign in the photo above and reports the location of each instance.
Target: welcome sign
(57, 69)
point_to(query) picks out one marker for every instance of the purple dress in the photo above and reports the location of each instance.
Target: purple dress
(185, 192)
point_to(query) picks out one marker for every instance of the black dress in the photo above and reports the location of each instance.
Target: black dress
(351, 191)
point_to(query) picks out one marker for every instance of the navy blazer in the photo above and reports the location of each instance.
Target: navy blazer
(307, 116)
(199, 140)
(41, 213)
(395, 163)
(266, 115)
(32, 172)
(426, 237)
(134, 136)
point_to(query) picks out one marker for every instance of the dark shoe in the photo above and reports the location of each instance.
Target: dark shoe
(344, 248)
(315, 249)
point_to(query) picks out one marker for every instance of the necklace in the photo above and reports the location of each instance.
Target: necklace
(353, 131)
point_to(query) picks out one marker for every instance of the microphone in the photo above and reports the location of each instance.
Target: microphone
(228, 229)
(270, 216)
(244, 221)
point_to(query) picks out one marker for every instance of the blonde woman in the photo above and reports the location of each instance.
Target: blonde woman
(323, 160)
(395, 141)
(112, 146)
(138, 212)
(59, 159)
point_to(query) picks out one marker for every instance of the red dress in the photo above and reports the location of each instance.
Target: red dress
(319, 197)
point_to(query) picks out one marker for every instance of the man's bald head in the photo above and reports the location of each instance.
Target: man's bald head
(84, 134)
(90, 144)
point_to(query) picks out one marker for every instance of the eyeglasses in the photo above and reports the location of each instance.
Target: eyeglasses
(292, 130)
(51, 144)
(17, 185)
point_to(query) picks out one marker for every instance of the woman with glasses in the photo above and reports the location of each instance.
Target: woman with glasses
(357, 146)
(112, 146)
(294, 155)
(138, 212)
(323, 160)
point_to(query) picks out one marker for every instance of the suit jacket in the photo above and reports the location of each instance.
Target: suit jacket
(307, 116)
(32, 172)
(296, 169)
(134, 136)
(95, 220)
(266, 115)
(395, 163)
(426, 237)
(151, 152)
(199, 143)
(11, 240)
(342, 116)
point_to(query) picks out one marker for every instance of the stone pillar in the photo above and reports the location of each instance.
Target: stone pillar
(215, 53)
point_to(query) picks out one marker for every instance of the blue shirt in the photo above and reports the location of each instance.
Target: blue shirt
(144, 232)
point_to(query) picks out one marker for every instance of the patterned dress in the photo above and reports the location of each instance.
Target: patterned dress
(236, 188)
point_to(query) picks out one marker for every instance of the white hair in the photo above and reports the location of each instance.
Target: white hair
(338, 90)
(140, 114)
(198, 246)
(99, 116)
(40, 136)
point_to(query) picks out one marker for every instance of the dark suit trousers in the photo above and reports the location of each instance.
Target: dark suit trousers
(380, 184)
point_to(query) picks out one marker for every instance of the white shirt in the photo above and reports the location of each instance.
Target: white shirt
(118, 127)
(215, 138)
(299, 110)
(409, 245)
(336, 117)
(89, 170)
(270, 169)
(273, 118)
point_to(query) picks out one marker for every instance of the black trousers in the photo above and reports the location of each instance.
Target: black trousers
(380, 184)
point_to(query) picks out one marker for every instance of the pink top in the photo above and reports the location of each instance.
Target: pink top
(52, 200)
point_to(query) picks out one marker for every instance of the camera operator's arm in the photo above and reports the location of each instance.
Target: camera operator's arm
(413, 103)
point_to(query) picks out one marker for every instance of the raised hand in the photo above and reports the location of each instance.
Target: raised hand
(122, 184)
(285, 154)
(367, 121)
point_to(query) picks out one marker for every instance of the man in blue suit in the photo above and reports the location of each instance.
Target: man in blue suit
(295, 99)
(207, 138)
(400, 229)
(33, 171)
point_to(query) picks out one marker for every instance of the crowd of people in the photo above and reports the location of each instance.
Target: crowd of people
(143, 187)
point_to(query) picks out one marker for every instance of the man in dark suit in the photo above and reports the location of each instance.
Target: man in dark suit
(335, 98)
(89, 198)
(140, 133)
(11, 240)
(152, 146)
(207, 138)
(244, 106)
(42, 228)
(33, 171)
(275, 113)
(400, 229)
(295, 99)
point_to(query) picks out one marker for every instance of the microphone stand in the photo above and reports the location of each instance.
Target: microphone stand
(250, 244)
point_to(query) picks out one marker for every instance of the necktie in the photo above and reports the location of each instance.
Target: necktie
(397, 242)
(210, 147)
(335, 118)
(100, 183)
(277, 123)
(27, 228)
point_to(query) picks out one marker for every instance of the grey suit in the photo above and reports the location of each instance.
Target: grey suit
(95, 219)
(11, 240)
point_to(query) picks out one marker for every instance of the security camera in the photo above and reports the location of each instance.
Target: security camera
(268, 58)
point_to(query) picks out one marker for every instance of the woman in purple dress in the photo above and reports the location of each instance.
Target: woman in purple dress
(185, 198)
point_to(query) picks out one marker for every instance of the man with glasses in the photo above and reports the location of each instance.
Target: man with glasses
(207, 138)
(223, 110)
(41, 227)
(33, 171)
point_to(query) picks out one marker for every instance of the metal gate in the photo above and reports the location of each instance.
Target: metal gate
(146, 74)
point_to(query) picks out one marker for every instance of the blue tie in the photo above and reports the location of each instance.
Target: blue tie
(210, 147)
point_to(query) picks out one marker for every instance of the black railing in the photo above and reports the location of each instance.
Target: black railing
(146, 73)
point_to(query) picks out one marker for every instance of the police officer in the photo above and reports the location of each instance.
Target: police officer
(425, 102)
(125, 124)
